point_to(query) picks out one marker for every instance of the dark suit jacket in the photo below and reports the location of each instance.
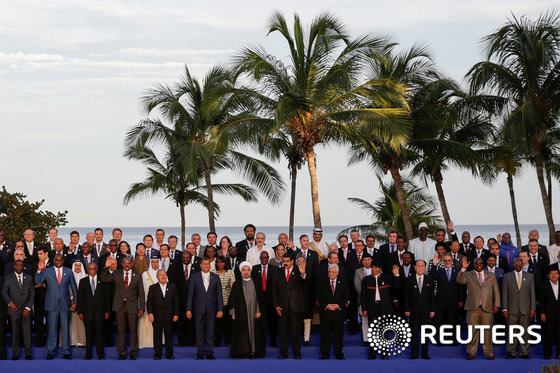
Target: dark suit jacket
(312, 261)
(289, 295)
(325, 296)
(393, 259)
(388, 289)
(242, 247)
(419, 303)
(550, 306)
(201, 301)
(471, 256)
(21, 296)
(93, 306)
(67, 257)
(131, 299)
(163, 308)
(176, 275)
(466, 249)
(543, 261)
(82, 259)
(256, 274)
(103, 251)
(31, 258)
(449, 292)
(9, 268)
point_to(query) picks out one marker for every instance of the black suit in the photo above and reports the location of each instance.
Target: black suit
(164, 308)
(449, 294)
(393, 259)
(242, 248)
(290, 297)
(419, 303)
(3, 322)
(22, 296)
(543, 261)
(311, 261)
(550, 307)
(233, 264)
(466, 248)
(176, 275)
(272, 319)
(94, 306)
(332, 322)
(34, 257)
(64, 252)
(472, 255)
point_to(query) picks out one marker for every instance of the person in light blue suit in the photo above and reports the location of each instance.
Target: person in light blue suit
(58, 303)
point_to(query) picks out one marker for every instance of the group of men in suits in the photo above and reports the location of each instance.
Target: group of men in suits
(354, 280)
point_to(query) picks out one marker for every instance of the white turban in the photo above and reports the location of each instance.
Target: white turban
(245, 263)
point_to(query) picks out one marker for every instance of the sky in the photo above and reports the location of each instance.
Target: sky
(72, 73)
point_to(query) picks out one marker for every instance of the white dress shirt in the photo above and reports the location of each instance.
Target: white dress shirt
(553, 251)
(206, 280)
(253, 254)
(163, 288)
(554, 289)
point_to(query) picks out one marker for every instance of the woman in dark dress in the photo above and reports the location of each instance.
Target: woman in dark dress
(249, 322)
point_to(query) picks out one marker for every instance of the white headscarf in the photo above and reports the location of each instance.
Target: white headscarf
(245, 264)
(151, 271)
(80, 275)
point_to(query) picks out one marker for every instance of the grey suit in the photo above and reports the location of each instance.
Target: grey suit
(358, 277)
(22, 296)
(101, 252)
(518, 302)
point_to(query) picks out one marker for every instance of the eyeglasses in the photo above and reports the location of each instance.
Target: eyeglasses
(466, 236)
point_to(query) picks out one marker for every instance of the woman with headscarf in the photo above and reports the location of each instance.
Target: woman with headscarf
(507, 248)
(77, 329)
(145, 328)
(249, 323)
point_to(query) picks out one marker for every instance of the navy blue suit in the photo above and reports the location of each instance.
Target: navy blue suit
(204, 305)
(57, 304)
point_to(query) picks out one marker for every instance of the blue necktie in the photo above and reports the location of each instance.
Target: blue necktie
(92, 286)
(448, 275)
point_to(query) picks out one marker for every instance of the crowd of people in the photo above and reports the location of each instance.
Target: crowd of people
(251, 295)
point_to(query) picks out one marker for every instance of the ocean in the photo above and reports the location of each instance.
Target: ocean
(133, 235)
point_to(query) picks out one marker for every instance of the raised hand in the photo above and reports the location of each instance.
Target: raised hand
(436, 259)
(450, 226)
(465, 263)
(41, 266)
(396, 270)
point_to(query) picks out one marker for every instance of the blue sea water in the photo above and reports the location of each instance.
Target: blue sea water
(134, 235)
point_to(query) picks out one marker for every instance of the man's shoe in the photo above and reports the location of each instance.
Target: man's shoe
(170, 357)
(210, 357)
(273, 344)
(122, 357)
(157, 357)
(324, 357)
(199, 357)
(491, 357)
(306, 344)
(341, 357)
(510, 357)
(282, 357)
(526, 357)
(426, 357)
(179, 344)
(413, 358)
(132, 357)
(87, 357)
(297, 357)
(67, 357)
(101, 358)
(28, 357)
(50, 356)
(15, 357)
(546, 357)
(384, 357)
(470, 357)
(3, 357)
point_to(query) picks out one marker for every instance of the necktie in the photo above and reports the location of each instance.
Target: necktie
(126, 281)
(518, 280)
(20, 281)
(360, 258)
(92, 286)
(480, 279)
(448, 275)
(420, 284)
(454, 257)
(59, 276)
(392, 248)
(305, 254)
(98, 249)
(163, 264)
(186, 273)
(332, 287)
(377, 294)
(534, 259)
(288, 276)
(264, 278)
(400, 258)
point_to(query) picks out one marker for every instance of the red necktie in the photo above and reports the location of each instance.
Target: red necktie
(59, 276)
(186, 273)
(360, 258)
(332, 287)
(288, 276)
(126, 281)
(264, 279)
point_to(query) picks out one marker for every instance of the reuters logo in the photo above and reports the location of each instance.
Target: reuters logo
(389, 335)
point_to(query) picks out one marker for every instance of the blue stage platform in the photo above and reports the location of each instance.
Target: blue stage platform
(446, 358)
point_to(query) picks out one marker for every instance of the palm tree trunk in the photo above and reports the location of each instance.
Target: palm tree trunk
(402, 201)
(549, 180)
(544, 193)
(310, 157)
(514, 208)
(210, 194)
(438, 180)
(182, 212)
(293, 176)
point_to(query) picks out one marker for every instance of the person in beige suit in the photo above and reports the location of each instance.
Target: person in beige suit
(518, 305)
(483, 299)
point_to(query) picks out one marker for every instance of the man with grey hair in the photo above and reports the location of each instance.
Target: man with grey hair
(30, 246)
(163, 310)
(253, 254)
(333, 296)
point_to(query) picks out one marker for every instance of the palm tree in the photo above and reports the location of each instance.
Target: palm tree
(315, 95)
(393, 80)
(446, 132)
(197, 111)
(173, 175)
(386, 212)
(522, 77)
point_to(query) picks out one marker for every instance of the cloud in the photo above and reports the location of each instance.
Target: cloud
(155, 52)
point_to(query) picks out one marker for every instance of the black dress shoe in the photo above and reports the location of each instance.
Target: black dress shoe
(546, 357)
(28, 357)
(132, 357)
(122, 357)
(273, 344)
(50, 356)
(252, 357)
(384, 357)
(210, 357)
(510, 357)
(87, 357)
(372, 356)
(282, 357)
(3, 357)
(199, 357)
(426, 357)
(341, 357)
(170, 357)
(101, 358)
(526, 357)
(297, 357)
(365, 343)
(306, 344)
(15, 357)
(67, 357)
(413, 358)
(324, 357)
(157, 357)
